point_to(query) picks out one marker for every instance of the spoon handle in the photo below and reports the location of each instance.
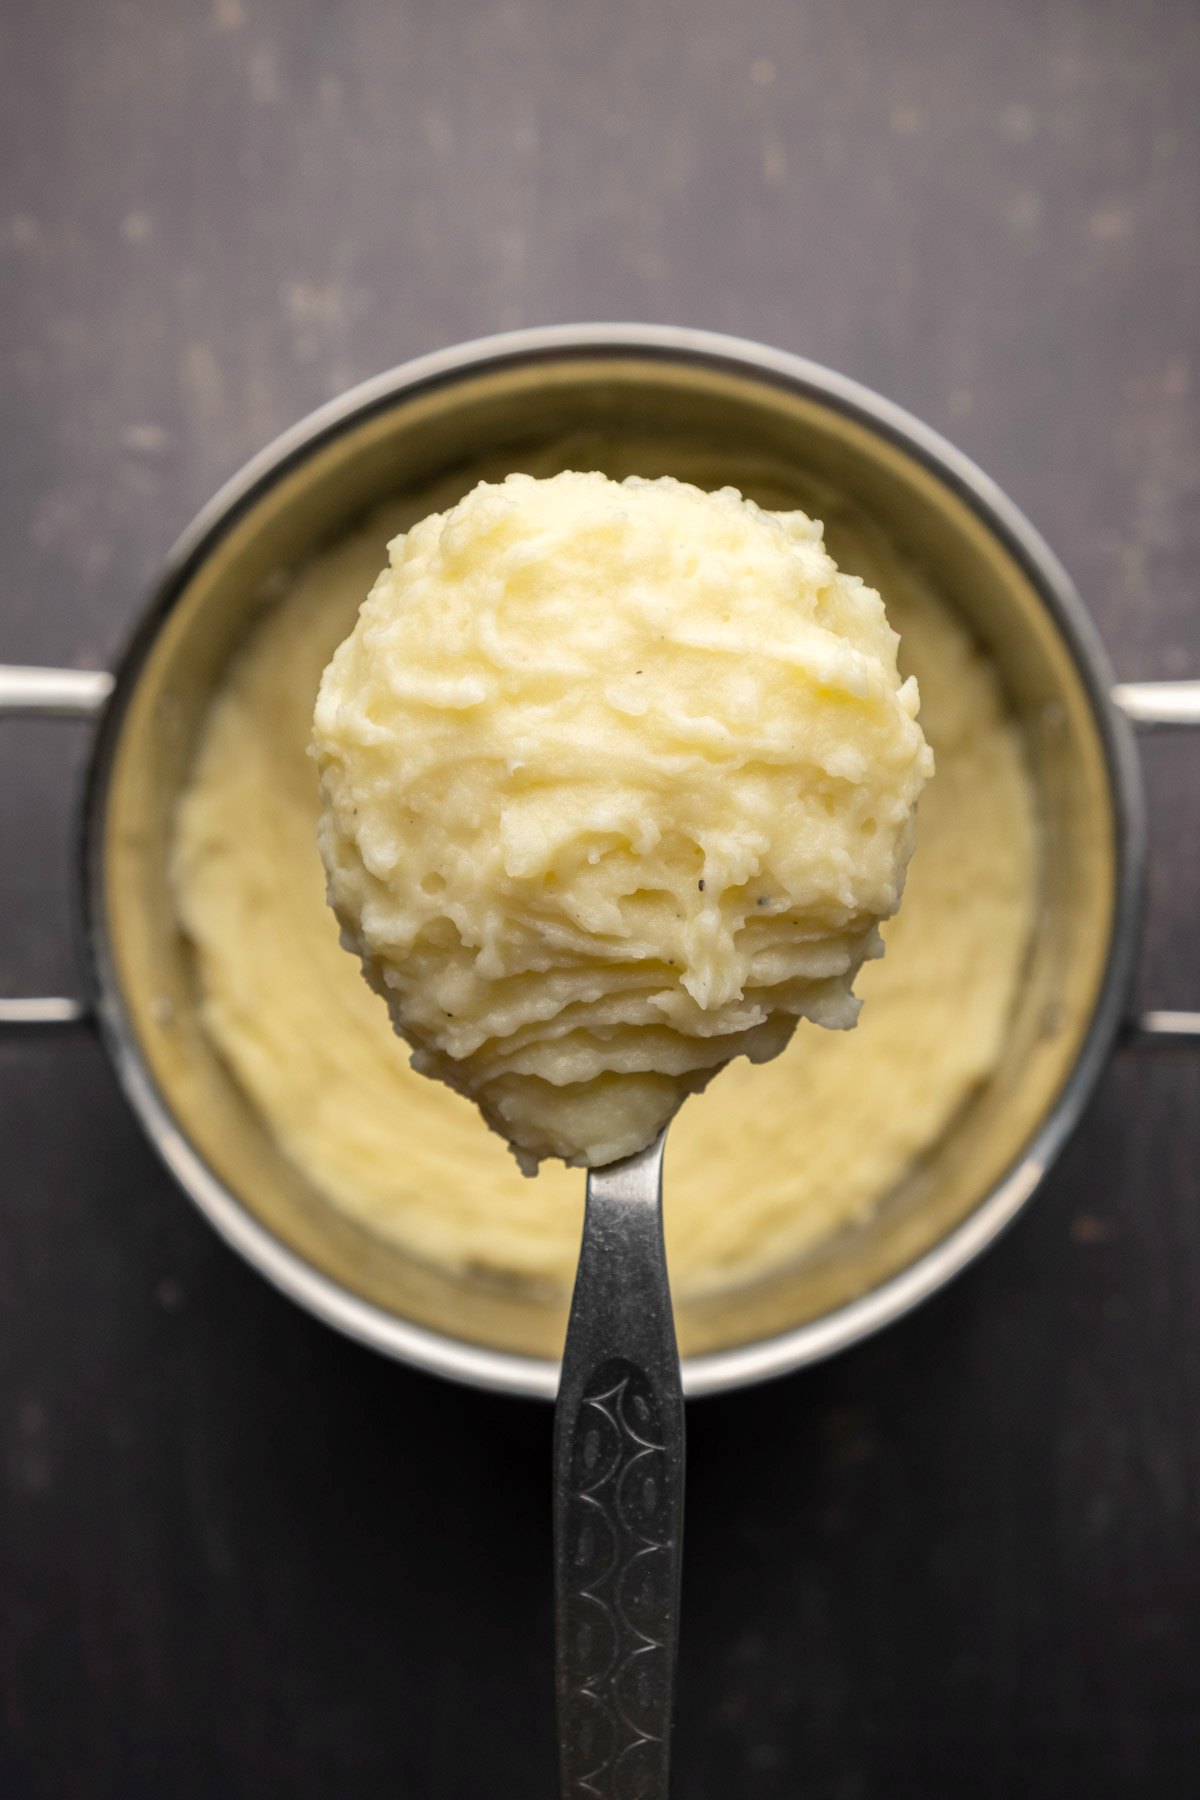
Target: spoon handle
(618, 1496)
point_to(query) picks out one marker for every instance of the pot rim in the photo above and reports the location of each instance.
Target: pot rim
(715, 1371)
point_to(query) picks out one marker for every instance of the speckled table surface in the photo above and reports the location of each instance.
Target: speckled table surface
(239, 1556)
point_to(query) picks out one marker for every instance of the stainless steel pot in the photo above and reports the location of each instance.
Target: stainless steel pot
(643, 388)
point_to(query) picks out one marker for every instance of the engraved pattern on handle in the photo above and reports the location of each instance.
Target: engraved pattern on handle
(618, 1503)
(620, 1568)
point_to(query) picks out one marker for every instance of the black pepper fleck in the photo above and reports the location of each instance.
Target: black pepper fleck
(700, 885)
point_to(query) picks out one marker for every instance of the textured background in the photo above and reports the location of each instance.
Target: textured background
(241, 1557)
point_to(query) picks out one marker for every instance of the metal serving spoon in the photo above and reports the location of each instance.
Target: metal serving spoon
(618, 1496)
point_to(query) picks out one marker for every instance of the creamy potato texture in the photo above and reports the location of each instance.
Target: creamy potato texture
(777, 1156)
(619, 780)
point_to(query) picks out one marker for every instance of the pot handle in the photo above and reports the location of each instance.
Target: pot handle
(1162, 706)
(48, 694)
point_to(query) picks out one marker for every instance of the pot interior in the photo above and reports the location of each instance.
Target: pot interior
(632, 409)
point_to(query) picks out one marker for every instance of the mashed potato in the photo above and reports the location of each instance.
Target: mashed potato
(806, 1145)
(619, 781)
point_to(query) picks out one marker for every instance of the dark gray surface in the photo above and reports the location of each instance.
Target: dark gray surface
(240, 1557)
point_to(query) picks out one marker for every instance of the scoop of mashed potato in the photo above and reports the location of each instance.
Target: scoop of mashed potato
(618, 780)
